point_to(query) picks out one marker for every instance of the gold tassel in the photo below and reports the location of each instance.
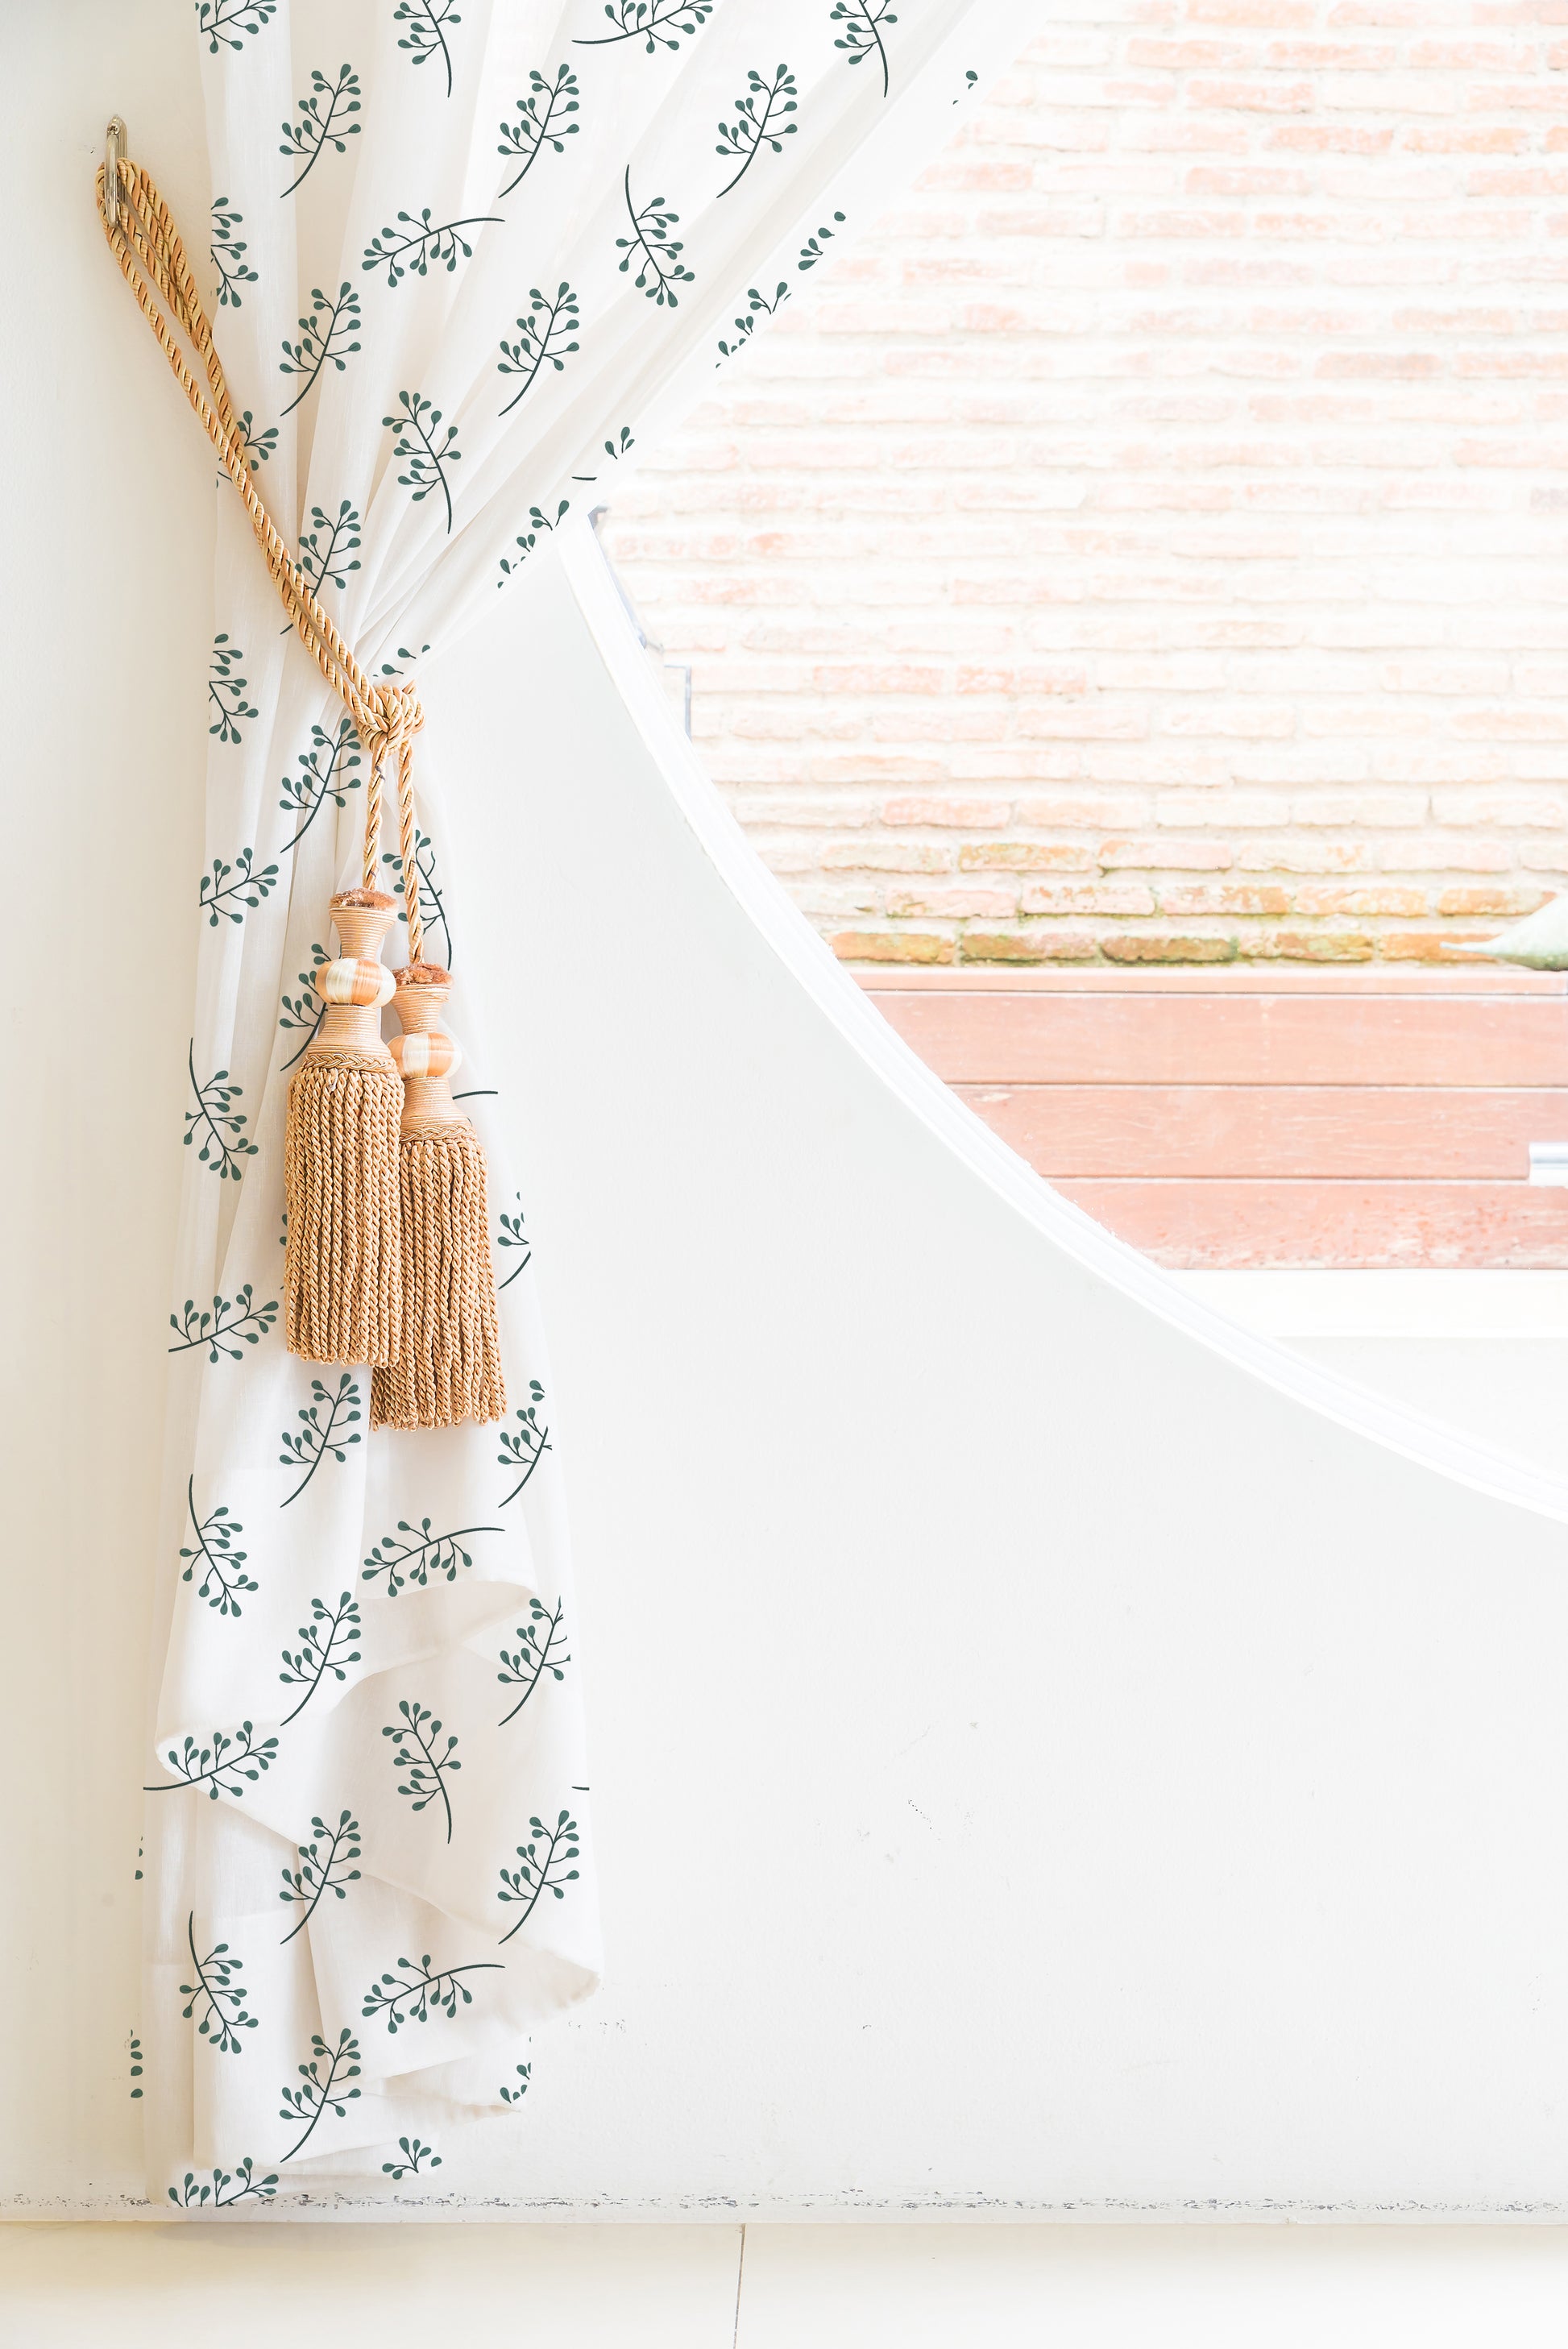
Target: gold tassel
(447, 1367)
(342, 1262)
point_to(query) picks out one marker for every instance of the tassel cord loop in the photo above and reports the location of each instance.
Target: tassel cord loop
(141, 234)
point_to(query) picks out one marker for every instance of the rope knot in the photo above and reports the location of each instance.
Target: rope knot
(397, 715)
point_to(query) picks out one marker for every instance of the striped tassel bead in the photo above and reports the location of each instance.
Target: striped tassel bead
(354, 981)
(425, 1052)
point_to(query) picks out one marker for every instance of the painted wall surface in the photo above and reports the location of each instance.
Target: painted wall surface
(1044, 1758)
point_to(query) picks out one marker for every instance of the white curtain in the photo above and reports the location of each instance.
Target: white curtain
(464, 259)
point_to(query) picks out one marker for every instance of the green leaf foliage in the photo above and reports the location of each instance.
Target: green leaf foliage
(525, 1445)
(325, 1647)
(416, 2155)
(540, 338)
(415, 243)
(324, 122)
(213, 1549)
(427, 452)
(541, 1649)
(658, 24)
(422, 1557)
(226, 2188)
(323, 2087)
(217, 1996)
(320, 1438)
(543, 1866)
(217, 1123)
(324, 338)
(651, 249)
(237, 1316)
(224, 1768)
(417, 1990)
(323, 1868)
(540, 122)
(230, 891)
(417, 1751)
(760, 122)
(427, 22)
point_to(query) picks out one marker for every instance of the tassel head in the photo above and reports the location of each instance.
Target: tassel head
(447, 1367)
(343, 1264)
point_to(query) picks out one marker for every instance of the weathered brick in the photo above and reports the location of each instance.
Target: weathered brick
(1172, 487)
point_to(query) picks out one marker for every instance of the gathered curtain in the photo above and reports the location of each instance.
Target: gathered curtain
(463, 259)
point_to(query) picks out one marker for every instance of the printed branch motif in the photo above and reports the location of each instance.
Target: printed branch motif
(228, 252)
(426, 459)
(230, 1318)
(759, 121)
(323, 122)
(535, 1655)
(323, 552)
(416, 1736)
(230, 24)
(137, 2064)
(534, 1876)
(422, 1557)
(305, 1010)
(234, 889)
(319, 2095)
(318, 1437)
(226, 690)
(811, 251)
(219, 1765)
(863, 21)
(432, 900)
(540, 338)
(527, 1447)
(511, 1235)
(327, 772)
(540, 122)
(321, 338)
(410, 246)
(661, 23)
(528, 540)
(218, 1993)
(758, 305)
(656, 253)
(436, 1992)
(223, 1146)
(214, 1551)
(243, 2180)
(515, 2096)
(615, 449)
(309, 1882)
(426, 21)
(325, 1638)
(256, 447)
(416, 2154)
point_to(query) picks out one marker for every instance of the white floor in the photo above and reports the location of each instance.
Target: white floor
(784, 2287)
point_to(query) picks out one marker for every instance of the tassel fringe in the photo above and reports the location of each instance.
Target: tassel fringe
(343, 1264)
(446, 1368)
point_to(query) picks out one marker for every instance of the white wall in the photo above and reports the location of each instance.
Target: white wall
(1041, 1761)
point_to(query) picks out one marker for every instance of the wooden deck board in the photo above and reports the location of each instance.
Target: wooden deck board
(1273, 1130)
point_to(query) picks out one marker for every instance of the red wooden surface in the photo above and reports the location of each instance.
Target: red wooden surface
(1219, 1227)
(1272, 1130)
(1243, 1119)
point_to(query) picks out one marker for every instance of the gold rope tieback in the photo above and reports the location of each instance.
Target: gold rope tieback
(388, 1255)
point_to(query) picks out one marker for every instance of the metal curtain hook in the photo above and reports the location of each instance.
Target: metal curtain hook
(116, 139)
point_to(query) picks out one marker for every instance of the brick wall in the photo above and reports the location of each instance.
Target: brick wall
(1151, 543)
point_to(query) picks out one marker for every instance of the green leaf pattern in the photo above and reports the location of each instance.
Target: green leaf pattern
(331, 1583)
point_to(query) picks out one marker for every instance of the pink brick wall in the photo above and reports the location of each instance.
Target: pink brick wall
(1151, 540)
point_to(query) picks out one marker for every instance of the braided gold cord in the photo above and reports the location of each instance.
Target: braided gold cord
(386, 716)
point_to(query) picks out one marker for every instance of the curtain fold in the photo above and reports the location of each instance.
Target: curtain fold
(465, 262)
